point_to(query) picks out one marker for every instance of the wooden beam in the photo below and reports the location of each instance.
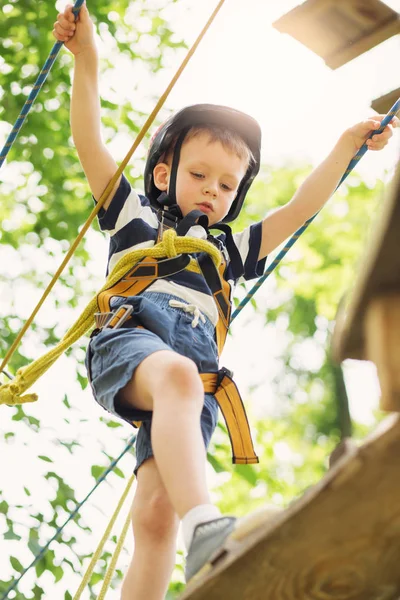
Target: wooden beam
(382, 334)
(340, 30)
(377, 275)
(383, 104)
(341, 540)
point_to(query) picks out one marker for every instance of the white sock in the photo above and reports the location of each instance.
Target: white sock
(198, 514)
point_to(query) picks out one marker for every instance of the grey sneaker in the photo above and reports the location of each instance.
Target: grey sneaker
(207, 538)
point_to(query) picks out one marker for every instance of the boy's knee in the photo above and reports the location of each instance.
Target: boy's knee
(154, 518)
(182, 373)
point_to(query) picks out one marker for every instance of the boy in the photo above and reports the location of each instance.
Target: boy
(203, 160)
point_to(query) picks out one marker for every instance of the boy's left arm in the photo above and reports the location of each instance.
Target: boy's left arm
(316, 190)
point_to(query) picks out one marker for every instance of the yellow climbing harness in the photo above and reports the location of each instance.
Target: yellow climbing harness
(136, 280)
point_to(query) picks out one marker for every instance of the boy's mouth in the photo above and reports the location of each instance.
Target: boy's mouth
(206, 207)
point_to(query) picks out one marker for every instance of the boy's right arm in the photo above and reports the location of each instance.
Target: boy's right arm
(97, 163)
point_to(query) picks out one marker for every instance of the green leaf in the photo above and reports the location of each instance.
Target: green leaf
(118, 472)
(40, 567)
(111, 424)
(97, 471)
(45, 458)
(58, 573)
(216, 465)
(16, 565)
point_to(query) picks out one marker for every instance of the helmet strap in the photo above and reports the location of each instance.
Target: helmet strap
(175, 165)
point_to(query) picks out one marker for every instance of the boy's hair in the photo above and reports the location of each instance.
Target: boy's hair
(230, 140)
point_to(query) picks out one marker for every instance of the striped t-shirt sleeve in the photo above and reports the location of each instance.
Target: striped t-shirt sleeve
(126, 206)
(248, 242)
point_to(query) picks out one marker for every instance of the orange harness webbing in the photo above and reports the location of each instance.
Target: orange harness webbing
(231, 405)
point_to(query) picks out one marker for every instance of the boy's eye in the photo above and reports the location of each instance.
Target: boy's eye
(198, 175)
(226, 187)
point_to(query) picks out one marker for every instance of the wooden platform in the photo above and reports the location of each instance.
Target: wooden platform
(369, 326)
(384, 103)
(340, 30)
(341, 541)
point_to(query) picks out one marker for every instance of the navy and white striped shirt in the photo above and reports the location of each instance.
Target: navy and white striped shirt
(132, 224)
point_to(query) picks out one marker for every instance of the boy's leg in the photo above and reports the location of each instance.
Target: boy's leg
(155, 526)
(169, 385)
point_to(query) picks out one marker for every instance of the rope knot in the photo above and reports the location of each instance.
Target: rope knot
(10, 393)
(169, 240)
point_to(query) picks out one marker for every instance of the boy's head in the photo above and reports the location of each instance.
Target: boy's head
(217, 150)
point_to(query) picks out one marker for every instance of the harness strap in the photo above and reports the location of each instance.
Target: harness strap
(141, 276)
(220, 291)
(222, 386)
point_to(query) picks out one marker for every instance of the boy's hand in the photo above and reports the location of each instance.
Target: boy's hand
(358, 134)
(77, 35)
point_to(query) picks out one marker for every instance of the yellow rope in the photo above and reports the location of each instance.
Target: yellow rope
(170, 246)
(110, 186)
(111, 568)
(103, 540)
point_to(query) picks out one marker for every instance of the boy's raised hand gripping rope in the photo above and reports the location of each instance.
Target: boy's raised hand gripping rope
(392, 112)
(113, 180)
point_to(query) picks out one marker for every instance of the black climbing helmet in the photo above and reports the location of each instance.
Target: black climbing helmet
(207, 115)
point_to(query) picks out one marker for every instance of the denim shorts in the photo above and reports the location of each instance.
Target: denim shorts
(114, 354)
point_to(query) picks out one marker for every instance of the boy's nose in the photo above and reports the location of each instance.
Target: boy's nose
(210, 190)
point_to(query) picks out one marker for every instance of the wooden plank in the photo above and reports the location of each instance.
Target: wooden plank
(383, 104)
(340, 30)
(382, 332)
(378, 274)
(340, 541)
(363, 44)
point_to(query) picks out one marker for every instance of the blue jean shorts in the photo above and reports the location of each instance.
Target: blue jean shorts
(114, 354)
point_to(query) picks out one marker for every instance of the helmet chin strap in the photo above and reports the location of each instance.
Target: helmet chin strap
(169, 199)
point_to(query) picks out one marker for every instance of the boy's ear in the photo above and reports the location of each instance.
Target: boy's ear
(161, 173)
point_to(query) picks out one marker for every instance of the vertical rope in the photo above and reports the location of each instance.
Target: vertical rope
(34, 92)
(103, 540)
(111, 568)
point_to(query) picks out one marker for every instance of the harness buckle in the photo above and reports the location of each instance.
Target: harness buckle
(114, 320)
(121, 315)
(221, 374)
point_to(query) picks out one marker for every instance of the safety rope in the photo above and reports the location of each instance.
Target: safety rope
(114, 559)
(111, 184)
(35, 90)
(170, 246)
(103, 540)
(385, 121)
(73, 514)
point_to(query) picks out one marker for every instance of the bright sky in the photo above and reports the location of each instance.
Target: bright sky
(302, 107)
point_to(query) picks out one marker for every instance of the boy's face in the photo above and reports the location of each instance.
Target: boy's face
(208, 177)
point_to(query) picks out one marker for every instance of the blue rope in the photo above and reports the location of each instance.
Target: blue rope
(385, 121)
(35, 90)
(71, 516)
